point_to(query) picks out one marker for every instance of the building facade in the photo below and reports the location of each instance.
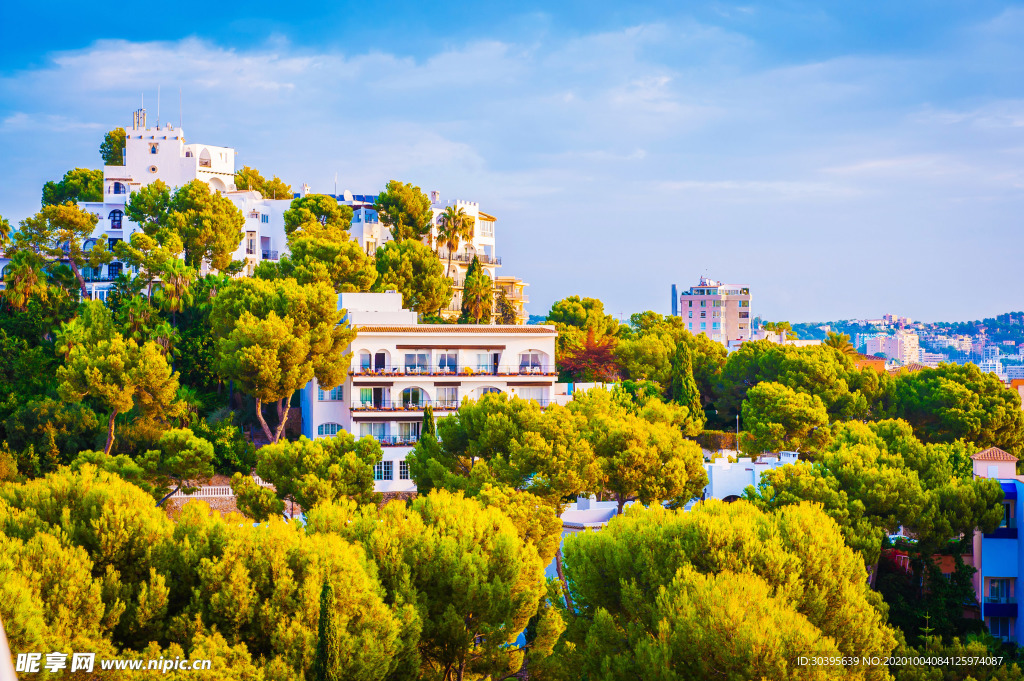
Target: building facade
(720, 311)
(999, 555)
(902, 347)
(400, 366)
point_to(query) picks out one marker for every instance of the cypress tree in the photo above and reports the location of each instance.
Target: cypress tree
(683, 389)
(429, 428)
(327, 665)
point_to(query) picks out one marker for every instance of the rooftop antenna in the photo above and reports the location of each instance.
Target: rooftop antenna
(335, 185)
(157, 107)
(179, 107)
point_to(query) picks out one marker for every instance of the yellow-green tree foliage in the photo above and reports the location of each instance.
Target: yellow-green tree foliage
(724, 590)
(88, 563)
(468, 579)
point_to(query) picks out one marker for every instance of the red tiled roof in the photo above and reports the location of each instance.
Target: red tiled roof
(993, 454)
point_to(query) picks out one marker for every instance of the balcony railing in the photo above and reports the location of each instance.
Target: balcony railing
(270, 255)
(396, 440)
(250, 251)
(468, 258)
(1000, 599)
(513, 370)
(407, 405)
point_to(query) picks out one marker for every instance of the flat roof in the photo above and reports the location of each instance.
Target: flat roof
(535, 329)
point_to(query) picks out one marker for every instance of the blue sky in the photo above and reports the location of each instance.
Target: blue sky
(842, 159)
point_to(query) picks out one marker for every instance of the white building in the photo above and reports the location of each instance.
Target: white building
(720, 311)
(902, 347)
(368, 230)
(162, 153)
(400, 366)
(727, 480)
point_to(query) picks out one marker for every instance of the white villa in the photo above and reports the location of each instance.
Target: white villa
(399, 366)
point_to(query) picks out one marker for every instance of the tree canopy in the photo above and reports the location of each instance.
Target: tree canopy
(318, 216)
(274, 188)
(405, 210)
(112, 148)
(413, 270)
(80, 184)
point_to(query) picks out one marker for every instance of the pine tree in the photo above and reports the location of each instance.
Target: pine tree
(327, 667)
(683, 389)
(429, 428)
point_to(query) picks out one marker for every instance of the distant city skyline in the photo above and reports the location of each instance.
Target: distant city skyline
(841, 160)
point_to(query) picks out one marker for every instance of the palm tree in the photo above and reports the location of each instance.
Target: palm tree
(166, 336)
(454, 228)
(23, 280)
(477, 296)
(175, 293)
(135, 316)
(841, 342)
(5, 233)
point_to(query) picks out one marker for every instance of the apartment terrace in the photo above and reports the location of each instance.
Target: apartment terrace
(463, 372)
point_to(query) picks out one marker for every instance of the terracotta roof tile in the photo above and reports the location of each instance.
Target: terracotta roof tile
(993, 454)
(454, 328)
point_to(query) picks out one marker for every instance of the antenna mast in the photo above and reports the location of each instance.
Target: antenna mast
(157, 107)
(179, 107)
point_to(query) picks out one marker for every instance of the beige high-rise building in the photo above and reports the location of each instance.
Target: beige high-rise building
(902, 347)
(720, 311)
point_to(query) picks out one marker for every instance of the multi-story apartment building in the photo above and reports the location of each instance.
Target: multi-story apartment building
(400, 366)
(902, 347)
(162, 153)
(720, 311)
(931, 359)
(999, 555)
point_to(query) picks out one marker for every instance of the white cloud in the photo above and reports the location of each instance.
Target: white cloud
(674, 141)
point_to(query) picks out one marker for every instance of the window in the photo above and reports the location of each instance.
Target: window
(332, 395)
(364, 361)
(448, 362)
(265, 218)
(689, 303)
(328, 429)
(1000, 627)
(412, 397)
(690, 314)
(153, 148)
(486, 228)
(714, 325)
(377, 431)
(529, 362)
(703, 325)
(417, 362)
(1007, 515)
(403, 470)
(533, 393)
(384, 470)
(409, 432)
(366, 397)
(115, 219)
(118, 188)
(690, 326)
(488, 390)
(998, 591)
(703, 315)
(114, 269)
(448, 397)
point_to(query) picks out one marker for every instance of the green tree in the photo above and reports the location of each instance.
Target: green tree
(80, 184)
(504, 310)
(116, 375)
(250, 178)
(477, 295)
(24, 280)
(174, 293)
(405, 209)
(474, 582)
(683, 388)
(641, 456)
(209, 225)
(327, 665)
(429, 425)
(112, 148)
(273, 337)
(56, 432)
(59, 233)
(960, 403)
(454, 227)
(575, 318)
(776, 417)
(180, 460)
(674, 594)
(841, 342)
(5, 232)
(148, 207)
(342, 264)
(413, 270)
(309, 472)
(145, 253)
(318, 216)
(256, 501)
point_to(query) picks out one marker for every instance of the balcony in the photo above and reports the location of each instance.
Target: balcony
(1008, 530)
(407, 406)
(396, 440)
(1000, 606)
(270, 255)
(468, 258)
(463, 372)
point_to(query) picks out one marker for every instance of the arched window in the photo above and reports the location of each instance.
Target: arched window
(205, 161)
(115, 219)
(488, 390)
(531, 362)
(119, 188)
(4, 271)
(413, 398)
(188, 154)
(365, 361)
(153, 148)
(328, 429)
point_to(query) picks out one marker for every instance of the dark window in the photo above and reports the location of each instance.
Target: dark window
(114, 269)
(115, 219)
(118, 188)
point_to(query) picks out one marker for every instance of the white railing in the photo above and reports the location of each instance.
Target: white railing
(217, 491)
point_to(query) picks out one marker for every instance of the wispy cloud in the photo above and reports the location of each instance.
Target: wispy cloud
(676, 142)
